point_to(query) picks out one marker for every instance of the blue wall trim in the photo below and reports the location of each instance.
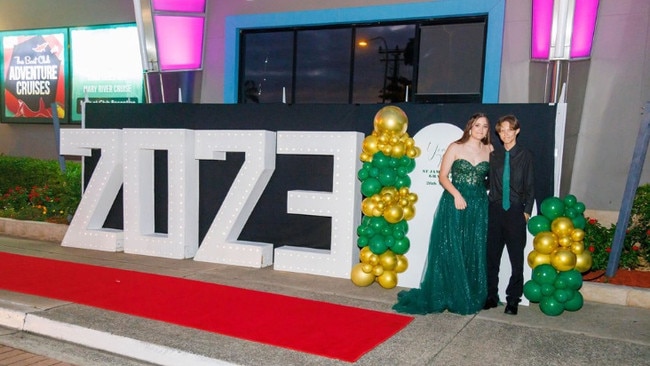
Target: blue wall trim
(495, 9)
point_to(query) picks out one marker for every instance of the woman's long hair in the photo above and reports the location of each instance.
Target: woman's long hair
(468, 127)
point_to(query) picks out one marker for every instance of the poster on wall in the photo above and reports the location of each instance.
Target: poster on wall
(106, 66)
(34, 74)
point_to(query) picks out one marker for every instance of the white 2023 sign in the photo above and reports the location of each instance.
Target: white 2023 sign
(127, 159)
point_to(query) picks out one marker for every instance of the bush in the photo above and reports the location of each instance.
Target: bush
(636, 246)
(35, 189)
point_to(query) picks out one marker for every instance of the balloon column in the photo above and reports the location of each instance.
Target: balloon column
(388, 156)
(558, 257)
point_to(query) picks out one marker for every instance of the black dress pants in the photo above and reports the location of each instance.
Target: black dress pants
(506, 229)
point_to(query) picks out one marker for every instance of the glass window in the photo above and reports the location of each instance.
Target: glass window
(268, 67)
(383, 64)
(323, 66)
(439, 60)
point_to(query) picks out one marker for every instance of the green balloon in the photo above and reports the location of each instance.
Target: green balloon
(575, 303)
(570, 212)
(533, 291)
(573, 279)
(387, 177)
(370, 186)
(579, 221)
(580, 207)
(562, 295)
(550, 306)
(363, 174)
(552, 208)
(570, 200)
(380, 160)
(362, 241)
(538, 223)
(547, 289)
(401, 246)
(544, 274)
(377, 244)
(560, 282)
(403, 181)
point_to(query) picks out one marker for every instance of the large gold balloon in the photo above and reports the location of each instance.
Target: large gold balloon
(391, 119)
(562, 226)
(584, 262)
(545, 242)
(388, 260)
(361, 278)
(402, 264)
(536, 258)
(563, 260)
(388, 279)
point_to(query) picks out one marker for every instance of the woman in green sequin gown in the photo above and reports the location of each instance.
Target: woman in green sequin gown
(455, 274)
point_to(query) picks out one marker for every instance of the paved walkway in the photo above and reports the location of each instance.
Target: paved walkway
(601, 333)
(10, 356)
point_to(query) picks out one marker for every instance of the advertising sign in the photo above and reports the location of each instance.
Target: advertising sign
(106, 66)
(34, 75)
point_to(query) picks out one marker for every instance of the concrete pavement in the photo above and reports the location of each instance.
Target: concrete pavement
(603, 332)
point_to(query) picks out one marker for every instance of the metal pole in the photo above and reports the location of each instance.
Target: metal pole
(633, 178)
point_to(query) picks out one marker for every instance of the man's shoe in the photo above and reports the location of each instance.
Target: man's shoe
(511, 309)
(490, 303)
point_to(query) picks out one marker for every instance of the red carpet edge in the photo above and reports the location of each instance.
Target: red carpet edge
(316, 327)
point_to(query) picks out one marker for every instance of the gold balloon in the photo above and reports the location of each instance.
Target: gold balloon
(391, 119)
(398, 150)
(370, 145)
(377, 270)
(536, 258)
(402, 264)
(364, 254)
(388, 260)
(361, 278)
(367, 267)
(577, 247)
(578, 234)
(545, 242)
(368, 207)
(409, 212)
(563, 260)
(583, 262)
(394, 214)
(562, 226)
(365, 157)
(388, 279)
(374, 259)
(564, 241)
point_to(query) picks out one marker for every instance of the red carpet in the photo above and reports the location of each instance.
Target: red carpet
(315, 327)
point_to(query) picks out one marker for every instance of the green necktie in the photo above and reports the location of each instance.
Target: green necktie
(506, 182)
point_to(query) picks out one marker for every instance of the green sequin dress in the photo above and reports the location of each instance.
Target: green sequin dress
(455, 275)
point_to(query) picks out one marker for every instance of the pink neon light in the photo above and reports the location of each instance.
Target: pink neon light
(197, 6)
(540, 40)
(584, 26)
(180, 42)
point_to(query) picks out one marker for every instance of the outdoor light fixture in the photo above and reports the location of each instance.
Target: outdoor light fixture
(563, 29)
(172, 33)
